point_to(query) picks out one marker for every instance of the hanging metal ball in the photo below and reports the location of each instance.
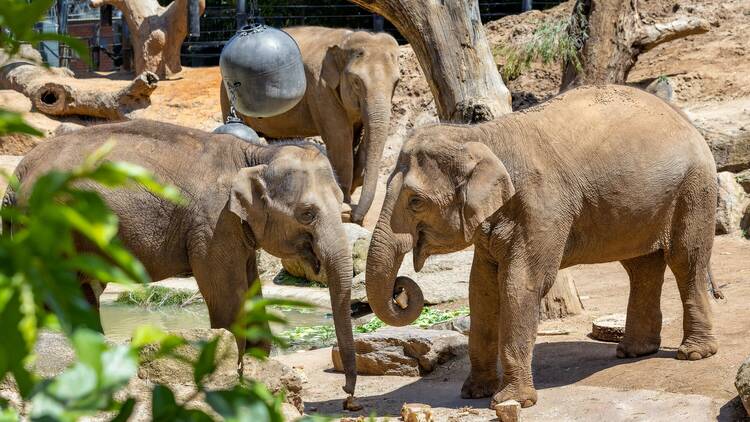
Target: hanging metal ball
(262, 70)
(239, 130)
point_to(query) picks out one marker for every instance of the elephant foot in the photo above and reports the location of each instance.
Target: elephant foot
(696, 349)
(633, 349)
(476, 387)
(523, 394)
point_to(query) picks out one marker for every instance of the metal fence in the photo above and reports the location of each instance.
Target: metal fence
(219, 22)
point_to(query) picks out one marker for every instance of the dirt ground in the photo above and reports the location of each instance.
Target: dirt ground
(578, 377)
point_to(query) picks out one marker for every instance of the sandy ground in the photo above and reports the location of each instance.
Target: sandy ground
(579, 378)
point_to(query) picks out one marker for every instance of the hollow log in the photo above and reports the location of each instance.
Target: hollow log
(156, 32)
(616, 36)
(56, 92)
(562, 298)
(454, 54)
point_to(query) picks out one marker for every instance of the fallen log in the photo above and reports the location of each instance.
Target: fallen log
(57, 92)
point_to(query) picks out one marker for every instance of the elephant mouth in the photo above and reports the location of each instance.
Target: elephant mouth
(307, 253)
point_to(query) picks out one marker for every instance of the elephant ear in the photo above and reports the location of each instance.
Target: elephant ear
(248, 197)
(333, 65)
(487, 187)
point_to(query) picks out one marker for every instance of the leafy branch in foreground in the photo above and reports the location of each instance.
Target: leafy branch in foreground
(556, 41)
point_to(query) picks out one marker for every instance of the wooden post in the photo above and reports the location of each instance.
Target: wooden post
(448, 39)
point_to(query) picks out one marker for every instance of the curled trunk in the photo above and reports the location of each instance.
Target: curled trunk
(378, 117)
(387, 250)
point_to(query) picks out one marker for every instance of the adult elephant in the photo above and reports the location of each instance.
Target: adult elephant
(594, 175)
(351, 76)
(241, 197)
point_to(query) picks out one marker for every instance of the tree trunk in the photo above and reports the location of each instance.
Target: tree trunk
(56, 92)
(449, 41)
(156, 32)
(562, 299)
(616, 37)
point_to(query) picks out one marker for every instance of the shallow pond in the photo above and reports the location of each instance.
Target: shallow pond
(119, 321)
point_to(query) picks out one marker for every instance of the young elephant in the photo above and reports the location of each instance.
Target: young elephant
(241, 197)
(597, 174)
(351, 76)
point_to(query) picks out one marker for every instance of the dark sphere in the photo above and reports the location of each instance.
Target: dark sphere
(262, 71)
(241, 131)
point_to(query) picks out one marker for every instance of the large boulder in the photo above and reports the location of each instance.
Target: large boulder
(731, 151)
(171, 371)
(404, 351)
(742, 382)
(731, 205)
(743, 178)
(358, 239)
(277, 377)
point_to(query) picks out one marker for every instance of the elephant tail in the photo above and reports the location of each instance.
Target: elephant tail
(712, 286)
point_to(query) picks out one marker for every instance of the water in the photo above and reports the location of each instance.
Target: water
(119, 321)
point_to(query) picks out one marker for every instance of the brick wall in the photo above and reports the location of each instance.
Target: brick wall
(86, 31)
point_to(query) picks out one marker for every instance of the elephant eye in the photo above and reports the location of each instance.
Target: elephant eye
(306, 215)
(415, 203)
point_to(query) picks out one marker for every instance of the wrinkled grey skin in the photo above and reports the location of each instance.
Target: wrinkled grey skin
(241, 197)
(597, 174)
(351, 77)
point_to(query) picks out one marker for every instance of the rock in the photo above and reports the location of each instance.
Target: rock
(290, 412)
(351, 404)
(277, 377)
(460, 324)
(444, 278)
(170, 371)
(67, 127)
(358, 238)
(731, 204)
(404, 351)
(14, 101)
(508, 411)
(742, 382)
(268, 265)
(662, 88)
(731, 151)
(54, 354)
(743, 178)
(609, 328)
(416, 412)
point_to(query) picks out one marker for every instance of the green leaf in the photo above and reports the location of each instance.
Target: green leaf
(89, 347)
(11, 122)
(119, 364)
(163, 404)
(126, 409)
(74, 383)
(243, 405)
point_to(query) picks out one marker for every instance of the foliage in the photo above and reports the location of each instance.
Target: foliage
(557, 41)
(156, 296)
(284, 278)
(302, 338)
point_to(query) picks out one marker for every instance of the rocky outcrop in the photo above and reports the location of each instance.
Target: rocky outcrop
(742, 382)
(461, 324)
(359, 240)
(277, 377)
(743, 178)
(731, 151)
(404, 351)
(732, 204)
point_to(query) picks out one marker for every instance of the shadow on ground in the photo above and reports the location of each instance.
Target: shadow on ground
(555, 364)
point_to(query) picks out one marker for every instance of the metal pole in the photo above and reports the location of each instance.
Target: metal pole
(241, 13)
(377, 23)
(62, 28)
(527, 5)
(194, 18)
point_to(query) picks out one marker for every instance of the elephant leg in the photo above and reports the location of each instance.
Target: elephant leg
(484, 379)
(643, 325)
(529, 273)
(688, 258)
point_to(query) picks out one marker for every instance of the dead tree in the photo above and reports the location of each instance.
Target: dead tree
(449, 41)
(562, 298)
(56, 92)
(616, 36)
(156, 32)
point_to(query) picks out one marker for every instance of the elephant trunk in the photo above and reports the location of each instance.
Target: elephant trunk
(377, 117)
(387, 250)
(337, 263)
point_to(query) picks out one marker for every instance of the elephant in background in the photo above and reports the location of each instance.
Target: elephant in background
(351, 77)
(241, 197)
(597, 174)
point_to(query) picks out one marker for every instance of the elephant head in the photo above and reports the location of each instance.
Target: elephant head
(437, 196)
(363, 70)
(292, 207)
